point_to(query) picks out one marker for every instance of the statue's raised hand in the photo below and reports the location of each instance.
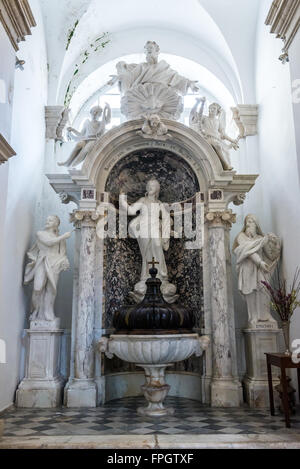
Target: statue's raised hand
(67, 235)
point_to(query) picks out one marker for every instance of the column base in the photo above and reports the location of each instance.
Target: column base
(226, 393)
(257, 393)
(81, 393)
(40, 394)
(259, 341)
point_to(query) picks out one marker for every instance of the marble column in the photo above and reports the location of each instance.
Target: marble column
(225, 387)
(82, 389)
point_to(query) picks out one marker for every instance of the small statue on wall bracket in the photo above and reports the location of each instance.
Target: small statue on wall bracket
(154, 128)
(92, 130)
(212, 128)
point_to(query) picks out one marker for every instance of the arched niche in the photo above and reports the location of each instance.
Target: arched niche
(122, 259)
(218, 187)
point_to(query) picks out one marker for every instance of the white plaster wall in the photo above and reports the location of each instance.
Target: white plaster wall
(275, 199)
(294, 54)
(24, 182)
(7, 72)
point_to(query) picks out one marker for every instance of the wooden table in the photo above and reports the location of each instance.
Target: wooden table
(283, 362)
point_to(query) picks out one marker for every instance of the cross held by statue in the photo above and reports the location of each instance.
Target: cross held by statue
(153, 262)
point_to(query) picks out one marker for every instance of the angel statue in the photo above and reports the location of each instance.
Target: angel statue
(151, 228)
(212, 128)
(48, 258)
(92, 130)
(154, 128)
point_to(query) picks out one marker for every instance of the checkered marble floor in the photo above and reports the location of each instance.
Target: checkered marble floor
(120, 418)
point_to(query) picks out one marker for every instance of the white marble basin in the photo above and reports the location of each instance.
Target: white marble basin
(154, 353)
(155, 349)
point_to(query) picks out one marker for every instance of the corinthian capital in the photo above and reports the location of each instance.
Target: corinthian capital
(223, 218)
(84, 218)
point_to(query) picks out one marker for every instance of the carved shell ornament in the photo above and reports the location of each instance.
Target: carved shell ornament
(152, 99)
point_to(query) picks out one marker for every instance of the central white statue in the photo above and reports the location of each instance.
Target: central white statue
(151, 228)
(151, 87)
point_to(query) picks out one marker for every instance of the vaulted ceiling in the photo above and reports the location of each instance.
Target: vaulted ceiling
(216, 34)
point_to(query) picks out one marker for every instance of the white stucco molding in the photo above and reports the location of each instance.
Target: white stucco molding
(17, 19)
(184, 142)
(6, 150)
(284, 19)
(246, 119)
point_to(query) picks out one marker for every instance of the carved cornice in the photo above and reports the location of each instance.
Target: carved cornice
(17, 19)
(84, 218)
(56, 120)
(6, 150)
(246, 118)
(224, 218)
(284, 19)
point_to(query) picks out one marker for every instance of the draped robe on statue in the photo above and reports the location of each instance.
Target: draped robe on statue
(47, 262)
(159, 73)
(250, 253)
(151, 89)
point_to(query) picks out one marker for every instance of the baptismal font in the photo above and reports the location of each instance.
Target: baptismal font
(157, 331)
(154, 335)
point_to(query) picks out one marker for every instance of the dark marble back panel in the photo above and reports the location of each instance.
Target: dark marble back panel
(122, 262)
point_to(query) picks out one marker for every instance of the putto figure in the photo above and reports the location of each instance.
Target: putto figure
(92, 130)
(47, 260)
(256, 258)
(154, 128)
(151, 87)
(212, 128)
(151, 228)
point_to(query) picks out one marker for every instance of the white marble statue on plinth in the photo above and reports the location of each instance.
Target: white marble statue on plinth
(212, 128)
(42, 385)
(92, 130)
(47, 260)
(151, 87)
(256, 258)
(151, 228)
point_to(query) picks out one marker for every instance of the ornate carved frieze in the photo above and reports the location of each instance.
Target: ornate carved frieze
(17, 19)
(6, 150)
(284, 19)
(246, 118)
(224, 218)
